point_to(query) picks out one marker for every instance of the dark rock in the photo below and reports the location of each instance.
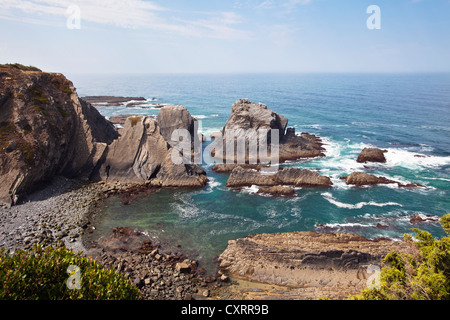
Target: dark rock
(371, 155)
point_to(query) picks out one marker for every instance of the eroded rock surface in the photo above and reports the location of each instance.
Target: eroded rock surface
(310, 264)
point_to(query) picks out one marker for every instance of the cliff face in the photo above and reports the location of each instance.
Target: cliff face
(142, 155)
(45, 130)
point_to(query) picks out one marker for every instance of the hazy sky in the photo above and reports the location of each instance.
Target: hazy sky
(181, 36)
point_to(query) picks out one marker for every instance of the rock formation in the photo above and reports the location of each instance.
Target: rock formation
(365, 179)
(144, 155)
(241, 177)
(277, 191)
(257, 125)
(137, 155)
(45, 130)
(311, 264)
(371, 155)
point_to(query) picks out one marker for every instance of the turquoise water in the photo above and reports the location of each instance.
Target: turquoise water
(407, 114)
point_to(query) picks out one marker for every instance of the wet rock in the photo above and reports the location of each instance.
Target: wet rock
(241, 177)
(277, 191)
(256, 126)
(371, 155)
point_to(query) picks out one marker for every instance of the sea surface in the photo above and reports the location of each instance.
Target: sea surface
(407, 114)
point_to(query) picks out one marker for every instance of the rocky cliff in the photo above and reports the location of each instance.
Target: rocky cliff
(45, 130)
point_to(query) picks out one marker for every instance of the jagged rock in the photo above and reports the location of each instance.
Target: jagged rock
(302, 178)
(45, 130)
(171, 118)
(137, 155)
(371, 155)
(241, 177)
(179, 175)
(255, 124)
(361, 179)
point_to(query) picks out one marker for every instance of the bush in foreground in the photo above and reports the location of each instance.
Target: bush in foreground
(423, 275)
(44, 273)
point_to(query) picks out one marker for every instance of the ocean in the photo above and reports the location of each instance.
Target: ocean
(406, 114)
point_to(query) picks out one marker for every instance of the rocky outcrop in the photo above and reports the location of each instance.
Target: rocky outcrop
(45, 130)
(249, 122)
(137, 155)
(277, 191)
(171, 118)
(294, 147)
(241, 177)
(364, 179)
(143, 155)
(371, 155)
(179, 175)
(311, 264)
(111, 100)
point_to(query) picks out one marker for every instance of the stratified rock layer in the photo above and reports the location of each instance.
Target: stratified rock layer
(311, 264)
(241, 177)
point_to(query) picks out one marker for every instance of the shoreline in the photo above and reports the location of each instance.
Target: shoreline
(63, 213)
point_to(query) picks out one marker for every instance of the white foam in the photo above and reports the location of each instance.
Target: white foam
(329, 197)
(413, 160)
(212, 183)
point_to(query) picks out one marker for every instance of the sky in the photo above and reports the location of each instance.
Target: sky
(226, 36)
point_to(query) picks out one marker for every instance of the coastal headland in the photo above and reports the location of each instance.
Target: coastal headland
(61, 158)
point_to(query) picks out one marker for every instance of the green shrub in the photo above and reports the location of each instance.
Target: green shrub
(424, 275)
(22, 67)
(42, 273)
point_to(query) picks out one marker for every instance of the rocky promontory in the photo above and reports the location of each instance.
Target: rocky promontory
(308, 265)
(46, 130)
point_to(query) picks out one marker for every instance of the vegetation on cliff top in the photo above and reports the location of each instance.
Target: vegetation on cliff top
(51, 274)
(22, 67)
(422, 275)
